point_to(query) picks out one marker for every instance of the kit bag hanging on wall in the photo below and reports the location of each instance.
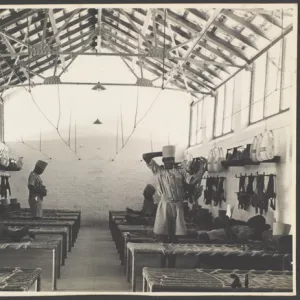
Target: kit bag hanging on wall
(241, 194)
(208, 193)
(258, 146)
(219, 195)
(253, 149)
(210, 161)
(270, 193)
(218, 159)
(262, 199)
(215, 194)
(266, 147)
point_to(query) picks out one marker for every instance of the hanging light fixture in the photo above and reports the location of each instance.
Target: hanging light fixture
(98, 87)
(97, 122)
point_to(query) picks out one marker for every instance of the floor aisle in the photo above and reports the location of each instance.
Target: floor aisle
(93, 264)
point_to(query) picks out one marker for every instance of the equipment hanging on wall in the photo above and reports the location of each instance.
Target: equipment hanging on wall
(267, 146)
(253, 149)
(215, 158)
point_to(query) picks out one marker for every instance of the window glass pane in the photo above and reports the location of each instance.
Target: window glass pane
(273, 79)
(229, 90)
(258, 89)
(194, 124)
(289, 73)
(245, 95)
(199, 125)
(209, 105)
(218, 122)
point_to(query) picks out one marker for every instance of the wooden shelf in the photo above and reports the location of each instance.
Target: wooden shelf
(242, 163)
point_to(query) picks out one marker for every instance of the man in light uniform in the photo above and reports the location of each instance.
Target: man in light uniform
(169, 221)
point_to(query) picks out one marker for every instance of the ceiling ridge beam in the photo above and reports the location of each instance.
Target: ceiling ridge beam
(169, 65)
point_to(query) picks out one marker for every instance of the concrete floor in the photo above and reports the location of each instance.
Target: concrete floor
(93, 265)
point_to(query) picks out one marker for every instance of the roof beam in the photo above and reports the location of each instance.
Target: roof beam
(193, 45)
(286, 30)
(226, 46)
(166, 63)
(18, 16)
(3, 33)
(134, 26)
(12, 50)
(76, 11)
(196, 29)
(249, 25)
(45, 26)
(201, 43)
(271, 19)
(142, 33)
(99, 26)
(146, 60)
(57, 39)
(210, 62)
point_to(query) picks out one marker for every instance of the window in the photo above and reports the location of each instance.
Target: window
(223, 109)
(196, 129)
(288, 73)
(244, 94)
(258, 89)
(272, 78)
(209, 107)
(219, 108)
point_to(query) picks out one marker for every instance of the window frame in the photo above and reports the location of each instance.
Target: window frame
(280, 111)
(223, 113)
(194, 132)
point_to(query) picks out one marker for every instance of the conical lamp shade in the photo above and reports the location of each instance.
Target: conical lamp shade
(98, 87)
(97, 122)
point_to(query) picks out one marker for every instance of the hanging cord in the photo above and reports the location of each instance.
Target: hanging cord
(117, 136)
(138, 88)
(59, 108)
(41, 140)
(164, 49)
(50, 123)
(33, 148)
(132, 132)
(122, 131)
(28, 45)
(70, 122)
(151, 142)
(75, 139)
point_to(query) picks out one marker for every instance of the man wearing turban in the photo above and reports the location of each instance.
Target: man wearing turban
(37, 191)
(171, 180)
(147, 214)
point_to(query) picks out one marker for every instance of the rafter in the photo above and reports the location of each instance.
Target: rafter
(226, 46)
(134, 26)
(99, 26)
(76, 11)
(249, 25)
(142, 33)
(193, 45)
(54, 29)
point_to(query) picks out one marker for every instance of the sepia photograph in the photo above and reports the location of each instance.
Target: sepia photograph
(148, 149)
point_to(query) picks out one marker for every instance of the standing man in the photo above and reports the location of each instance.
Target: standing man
(37, 191)
(169, 221)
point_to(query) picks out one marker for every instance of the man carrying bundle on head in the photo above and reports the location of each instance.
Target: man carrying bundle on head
(37, 191)
(171, 179)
